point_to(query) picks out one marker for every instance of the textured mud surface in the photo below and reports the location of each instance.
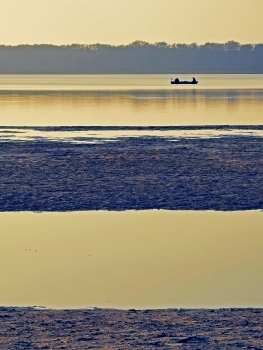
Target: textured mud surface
(133, 173)
(28, 328)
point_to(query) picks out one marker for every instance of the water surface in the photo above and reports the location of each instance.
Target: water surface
(129, 100)
(109, 82)
(150, 259)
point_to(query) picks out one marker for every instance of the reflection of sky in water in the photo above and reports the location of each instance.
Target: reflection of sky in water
(126, 82)
(130, 100)
(134, 259)
(111, 135)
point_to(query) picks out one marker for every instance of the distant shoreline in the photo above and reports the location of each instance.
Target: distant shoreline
(137, 58)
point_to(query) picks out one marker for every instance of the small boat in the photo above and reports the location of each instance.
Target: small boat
(177, 82)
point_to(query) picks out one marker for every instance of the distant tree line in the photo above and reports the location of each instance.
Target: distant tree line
(137, 57)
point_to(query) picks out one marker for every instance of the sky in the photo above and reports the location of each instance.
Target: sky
(124, 21)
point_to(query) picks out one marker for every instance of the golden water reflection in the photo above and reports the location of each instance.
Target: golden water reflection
(125, 82)
(131, 108)
(133, 99)
(145, 259)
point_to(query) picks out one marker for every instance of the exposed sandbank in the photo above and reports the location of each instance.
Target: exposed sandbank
(145, 329)
(132, 173)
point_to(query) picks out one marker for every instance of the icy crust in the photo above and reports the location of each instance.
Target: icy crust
(29, 328)
(133, 173)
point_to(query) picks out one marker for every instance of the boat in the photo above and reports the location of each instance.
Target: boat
(178, 82)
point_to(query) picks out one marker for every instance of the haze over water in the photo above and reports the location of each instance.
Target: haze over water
(131, 100)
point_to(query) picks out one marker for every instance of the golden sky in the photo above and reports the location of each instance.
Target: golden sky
(124, 21)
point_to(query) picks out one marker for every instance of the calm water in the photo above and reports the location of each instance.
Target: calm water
(150, 259)
(130, 100)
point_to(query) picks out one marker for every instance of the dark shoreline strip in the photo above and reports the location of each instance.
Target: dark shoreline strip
(28, 328)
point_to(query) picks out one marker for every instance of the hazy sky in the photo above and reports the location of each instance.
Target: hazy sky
(123, 21)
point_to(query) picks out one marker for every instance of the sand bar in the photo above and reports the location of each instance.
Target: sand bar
(132, 173)
(131, 329)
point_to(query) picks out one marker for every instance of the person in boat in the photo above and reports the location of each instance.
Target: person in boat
(176, 80)
(194, 80)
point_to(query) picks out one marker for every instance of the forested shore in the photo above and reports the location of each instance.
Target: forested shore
(138, 57)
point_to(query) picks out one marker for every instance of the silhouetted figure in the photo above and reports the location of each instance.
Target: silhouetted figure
(176, 80)
(194, 80)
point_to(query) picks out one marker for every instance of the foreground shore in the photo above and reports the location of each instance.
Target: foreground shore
(32, 328)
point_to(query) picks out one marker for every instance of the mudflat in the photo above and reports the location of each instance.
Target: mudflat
(132, 173)
(30, 328)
